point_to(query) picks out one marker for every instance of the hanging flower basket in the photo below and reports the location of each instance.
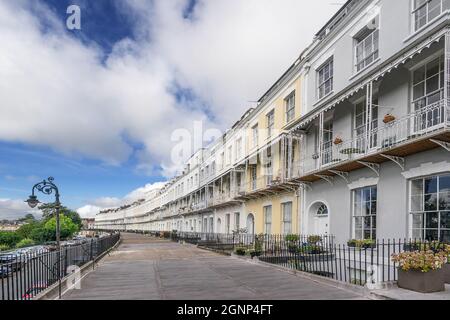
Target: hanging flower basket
(388, 118)
(338, 141)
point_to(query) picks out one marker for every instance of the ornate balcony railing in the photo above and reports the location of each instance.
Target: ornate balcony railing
(415, 125)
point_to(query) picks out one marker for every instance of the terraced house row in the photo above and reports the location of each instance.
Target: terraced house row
(353, 140)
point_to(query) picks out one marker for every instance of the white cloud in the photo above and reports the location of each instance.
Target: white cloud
(88, 211)
(96, 205)
(14, 209)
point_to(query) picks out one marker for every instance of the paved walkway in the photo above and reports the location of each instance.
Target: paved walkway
(148, 268)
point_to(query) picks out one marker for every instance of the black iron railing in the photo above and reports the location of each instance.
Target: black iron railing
(25, 275)
(356, 262)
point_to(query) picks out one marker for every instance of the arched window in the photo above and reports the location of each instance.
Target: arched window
(322, 211)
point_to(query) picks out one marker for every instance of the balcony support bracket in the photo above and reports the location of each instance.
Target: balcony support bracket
(375, 167)
(328, 179)
(443, 144)
(400, 161)
(342, 174)
(304, 185)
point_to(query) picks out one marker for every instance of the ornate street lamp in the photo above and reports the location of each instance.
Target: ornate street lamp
(48, 187)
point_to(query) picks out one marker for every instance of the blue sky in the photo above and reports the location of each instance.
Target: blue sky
(97, 108)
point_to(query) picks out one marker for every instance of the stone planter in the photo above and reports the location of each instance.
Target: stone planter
(447, 273)
(427, 282)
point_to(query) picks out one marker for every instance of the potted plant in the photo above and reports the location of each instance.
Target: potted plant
(447, 265)
(388, 118)
(421, 271)
(338, 141)
(362, 244)
(314, 239)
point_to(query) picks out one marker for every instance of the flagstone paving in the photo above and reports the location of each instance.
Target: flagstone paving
(152, 269)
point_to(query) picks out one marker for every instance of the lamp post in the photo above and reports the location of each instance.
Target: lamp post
(48, 187)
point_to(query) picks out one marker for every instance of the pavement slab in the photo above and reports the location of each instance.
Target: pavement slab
(146, 268)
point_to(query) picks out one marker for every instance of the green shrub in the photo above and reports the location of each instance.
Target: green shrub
(9, 239)
(25, 243)
(292, 238)
(364, 244)
(240, 251)
(3, 247)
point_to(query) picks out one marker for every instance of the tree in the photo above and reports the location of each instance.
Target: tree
(26, 230)
(48, 211)
(28, 218)
(8, 238)
(67, 228)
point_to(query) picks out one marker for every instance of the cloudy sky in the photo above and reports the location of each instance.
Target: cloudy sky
(97, 108)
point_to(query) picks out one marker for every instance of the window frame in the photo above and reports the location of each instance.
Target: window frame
(255, 133)
(372, 229)
(270, 119)
(416, 10)
(322, 83)
(283, 217)
(289, 102)
(426, 213)
(268, 225)
(374, 54)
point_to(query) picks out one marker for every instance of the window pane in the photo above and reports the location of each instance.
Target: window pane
(367, 223)
(374, 193)
(445, 236)
(417, 203)
(417, 187)
(432, 84)
(445, 220)
(431, 185)
(366, 208)
(358, 223)
(444, 183)
(430, 202)
(417, 221)
(434, 9)
(432, 220)
(431, 235)
(366, 194)
(419, 75)
(373, 208)
(419, 91)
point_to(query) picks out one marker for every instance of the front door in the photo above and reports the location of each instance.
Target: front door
(321, 221)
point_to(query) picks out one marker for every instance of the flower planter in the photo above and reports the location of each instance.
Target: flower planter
(423, 282)
(388, 118)
(447, 273)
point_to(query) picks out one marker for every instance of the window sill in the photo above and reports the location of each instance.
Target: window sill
(358, 73)
(430, 23)
(323, 98)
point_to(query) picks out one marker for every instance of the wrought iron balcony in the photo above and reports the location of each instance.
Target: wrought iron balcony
(419, 127)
